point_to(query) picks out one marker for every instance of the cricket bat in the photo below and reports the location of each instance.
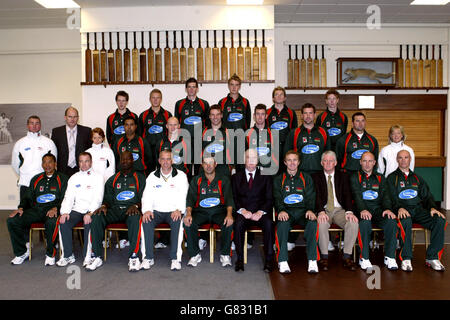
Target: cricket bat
(111, 73)
(440, 69)
(96, 60)
(224, 58)
(316, 70)
(88, 61)
(103, 61)
(240, 59)
(310, 68)
(248, 59)
(191, 58)
(433, 70)
(175, 63)
(135, 59)
(407, 69)
(232, 55)
(183, 70)
(208, 57)
(420, 69)
(323, 69)
(200, 62)
(118, 56)
(414, 68)
(150, 58)
(126, 60)
(290, 70)
(427, 70)
(263, 65)
(400, 69)
(215, 54)
(142, 60)
(296, 69)
(303, 69)
(167, 62)
(158, 60)
(255, 71)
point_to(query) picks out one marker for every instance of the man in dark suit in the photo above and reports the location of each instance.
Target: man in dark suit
(70, 140)
(334, 205)
(252, 193)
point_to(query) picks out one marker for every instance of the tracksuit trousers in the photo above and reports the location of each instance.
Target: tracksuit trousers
(65, 234)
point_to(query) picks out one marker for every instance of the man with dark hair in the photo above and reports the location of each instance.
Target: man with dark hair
(114, 122)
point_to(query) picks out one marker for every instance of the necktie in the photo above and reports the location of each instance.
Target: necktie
(330, 200)
(72, 162)
(250, 181)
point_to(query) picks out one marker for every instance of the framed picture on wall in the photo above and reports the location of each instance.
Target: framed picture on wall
(366, 72)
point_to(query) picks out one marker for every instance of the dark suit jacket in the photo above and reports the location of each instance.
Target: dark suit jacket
(59, 137)
(259, 197)
(341, 188)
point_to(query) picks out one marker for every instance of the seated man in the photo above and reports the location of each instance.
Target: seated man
(209, 200)
(121, 203)
(252, 193)
(414, 203)
(164, 201)
(83, 196)
(373, 205)
(294, 197)
(41, 203)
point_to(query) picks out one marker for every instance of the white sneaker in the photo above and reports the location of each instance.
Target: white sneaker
(249, 246)
(160, 245)
(96, 263)
(123, 243)
(233, 246)
(62, 262)
(49, 261)
(20, 259)
(406, 265)
(225, 260)
(202, 244)
(195, 260)
(107, 243)
(390, 263)
(365, 264)
(312, 266)
(284, 267)
(398, 244)
(330, 246)
(87, 261)
(435, 264)
(175, 265)
(134, 264)
(291, 246)
(147, 263)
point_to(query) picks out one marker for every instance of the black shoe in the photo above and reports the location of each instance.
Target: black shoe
(239, 265)
(268, 266)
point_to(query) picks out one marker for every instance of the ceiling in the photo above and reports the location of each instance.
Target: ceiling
(29, 14)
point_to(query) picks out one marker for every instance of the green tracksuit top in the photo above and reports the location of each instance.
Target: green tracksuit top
(370, 193)
(211, 197)
(124, 190)
(191, 113)
(409, 192)
(282, 121)
(139, 148)
(349, 149)
(310, 144)
(261, 140)
(294, 192)
(114, 125)
(45, 193)
(236, 113)
(334, 123)
(153, 126)
(179, 150)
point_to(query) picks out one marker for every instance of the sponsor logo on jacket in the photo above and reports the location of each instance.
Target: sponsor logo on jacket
(310, 148)
(233, 117)
(293, 198)
(125, 195)
(370, 195)
(279, 125)
(333, 132)
(408, 194)
(46, 198)
(358, 153)
(119, 130)
(209, 202)
(192, 120)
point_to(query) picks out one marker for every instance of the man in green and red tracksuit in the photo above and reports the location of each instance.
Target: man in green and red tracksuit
(209, 200)
(114, 123)
(294, 200)
(309, 141)
(121, 203)
(414, 203)
(41, 203)
(352, 145)
(333, 120)
(152, 124)
(373, 206)
(139, 147)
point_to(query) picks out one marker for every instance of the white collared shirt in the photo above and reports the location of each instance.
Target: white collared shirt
(336, 202)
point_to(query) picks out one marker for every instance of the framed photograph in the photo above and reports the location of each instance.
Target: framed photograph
(366, 72)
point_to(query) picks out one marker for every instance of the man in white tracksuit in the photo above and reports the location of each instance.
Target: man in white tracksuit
(164, 201)
(83, 196)
(28, 151)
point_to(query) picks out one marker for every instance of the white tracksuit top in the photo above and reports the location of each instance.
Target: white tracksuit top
(101, 156)
(389, 155)
(32, 148)
(84, 192)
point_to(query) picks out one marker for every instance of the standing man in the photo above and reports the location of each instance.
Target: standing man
(152, 124)
(294, 197)
(414, 203)
(209, 200)
(351, 146)
(5, 135)
(164, 201)
(309, 141)
(83, 196)
(121, 203)
(28, 151)
(252, 194)
(70, 140)
(114, 124)
(373, 205)
(334, 204)
(333, 120)
(41, 203)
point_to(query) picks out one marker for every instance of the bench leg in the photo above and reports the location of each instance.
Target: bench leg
(245, 247)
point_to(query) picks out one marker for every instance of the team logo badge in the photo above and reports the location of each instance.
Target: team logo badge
(41, 188)
(305, 140)
(402, 184)
(355, 145)
(328, 124)
(203, 191)
(118, 186)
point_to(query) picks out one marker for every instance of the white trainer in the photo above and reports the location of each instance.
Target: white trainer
(147, 263)
(202, 244)
(283, 266)
(365, 264)
(225, 260)
(175, 265)
(123, 243)
(435, 264)
(20, 259)
(249, 246)
(87, 261)
(312, 266)
(330, 246)
(107, 243)
(62, 262)
(390, 263)
(134, 264)
(233, 246)
(195, 260)
(291, 246)
(160, 245)
(49, 261)
(96, 263)
(407, 266)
